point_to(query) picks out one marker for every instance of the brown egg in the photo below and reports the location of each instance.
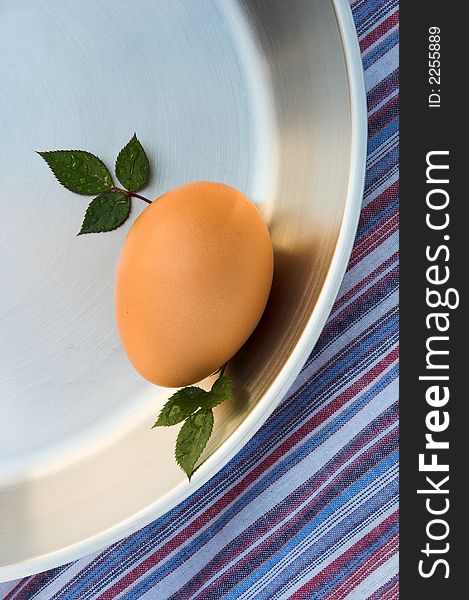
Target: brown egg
(192, 283)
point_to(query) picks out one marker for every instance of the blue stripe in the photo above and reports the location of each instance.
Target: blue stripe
(343, 574)
(365, 309)
(384, 330)
(382, 136)
(371, 7)
(384, 588)
(372, 13)
(386, 45)
(379, 170)
(373, 296)
(371, 187)
(391, 207)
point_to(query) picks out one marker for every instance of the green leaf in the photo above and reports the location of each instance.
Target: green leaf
(180, 406)
(79, 171)
(193, 438)
(106, 212)
(222, 390)
(132, 166)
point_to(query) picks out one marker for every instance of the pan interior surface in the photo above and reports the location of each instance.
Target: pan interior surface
(263, 95)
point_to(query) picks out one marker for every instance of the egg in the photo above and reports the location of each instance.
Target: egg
(192, 282)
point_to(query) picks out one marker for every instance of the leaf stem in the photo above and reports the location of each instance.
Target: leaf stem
(140, 197)
(129, 194)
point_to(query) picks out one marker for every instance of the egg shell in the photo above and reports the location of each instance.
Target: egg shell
(192, 282)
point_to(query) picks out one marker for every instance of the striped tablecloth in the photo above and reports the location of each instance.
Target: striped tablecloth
(308, 509)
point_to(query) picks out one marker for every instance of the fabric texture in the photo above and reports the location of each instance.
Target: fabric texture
(309, 508)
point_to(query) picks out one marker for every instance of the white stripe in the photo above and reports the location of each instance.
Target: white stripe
(383, 149)
(370, 262)
(381, 233)
(59, 582)
(365, 267)
(369, 23)
(6, 587)
(390, 143)
(378, 578)
(383, 182)
(375, 25)
(383, 102)
(377, 42)
(381, 68)
(381, 186)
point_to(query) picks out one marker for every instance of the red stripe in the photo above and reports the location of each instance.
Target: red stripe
(383, 89)
(22, 591)
(375, 237)
(379, 31)
(392, 593)
(379, 204)
(373, 276)
(330, 572)
(333, 569)
(366, 568)
(211, 512)
(21, 584)
(388, 590)
(382, 117)
(321, 578)
(353, 307)
(370, 565)
(383, 320)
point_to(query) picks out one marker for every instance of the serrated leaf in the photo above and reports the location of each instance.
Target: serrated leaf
(180, 406)
(106, 212)
(79, 171)
(222, 390)
(132, 166)
(193, 438)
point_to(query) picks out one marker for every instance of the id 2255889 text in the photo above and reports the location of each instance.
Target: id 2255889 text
(434, 67)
